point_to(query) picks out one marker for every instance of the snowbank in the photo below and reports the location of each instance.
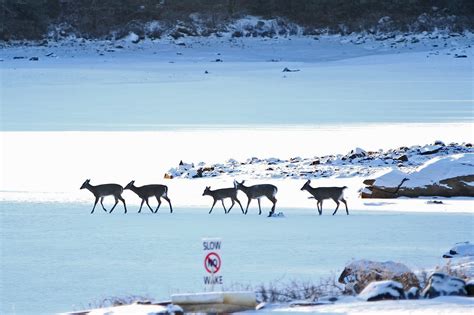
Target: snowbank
(432, 172)
(449, 176)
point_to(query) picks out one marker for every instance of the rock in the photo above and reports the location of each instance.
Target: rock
(368, 182)
(413, 293)
(440, 284)
(448, 176)
(460, 56)
(430, 149)
(315, 162)
(470, 288)
(434, 202)
(402, 158)
(34, 59)
(290, 70)
(168, 176)
(358, 274)
(460, 250)
(383, 290)
(439, 142)
(356, 153)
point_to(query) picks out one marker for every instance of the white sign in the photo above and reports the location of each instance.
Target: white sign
(212, 261)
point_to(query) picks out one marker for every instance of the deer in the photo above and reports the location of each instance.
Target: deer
(321, 193)
(102, 191)
(257, 192)
(147, 191)
(221, 194)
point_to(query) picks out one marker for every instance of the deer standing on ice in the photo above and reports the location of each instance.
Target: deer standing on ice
(102, 191)
(257, 192)
(221, 194)
(147, 191)
(321, 193)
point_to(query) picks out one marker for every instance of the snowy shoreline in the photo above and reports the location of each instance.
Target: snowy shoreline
(357, 162)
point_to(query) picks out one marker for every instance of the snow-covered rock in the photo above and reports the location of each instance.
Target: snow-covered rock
(440, 284)
(356, 153)
(460, 250)
(358, 274)
(396, 163)
(383, 290)
(447, 176)
(413, 293)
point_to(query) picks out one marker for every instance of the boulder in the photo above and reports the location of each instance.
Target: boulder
(460, 250)
(383, 290)
(448, 176)
(413, 293)
(470, 288)
(358, 274)
(460, 261)
(356, 153)
(440, 284)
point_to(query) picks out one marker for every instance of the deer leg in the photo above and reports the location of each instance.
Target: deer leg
(159, 203)
(237, 200)
(337, 207)
(233, 203)
(123, 201)
(116, 202)
(146, 200)
(259, 208)
(248, 204)
(213, 204)
(272, 211)
(141, 205)
(345, 203)
(222, 201)
(169, 201)
(95, 203)
(101, 202)
(320, 207)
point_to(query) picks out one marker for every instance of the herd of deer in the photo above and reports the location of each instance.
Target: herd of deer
(253, 192)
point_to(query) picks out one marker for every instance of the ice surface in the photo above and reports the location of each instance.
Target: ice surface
(52, 251)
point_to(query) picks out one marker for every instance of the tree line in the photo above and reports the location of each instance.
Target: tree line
(30, 19)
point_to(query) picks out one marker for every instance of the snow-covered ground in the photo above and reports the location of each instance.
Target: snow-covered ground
(85, 111)
(442, 305)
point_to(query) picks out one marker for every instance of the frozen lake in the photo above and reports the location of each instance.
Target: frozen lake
(58, 257)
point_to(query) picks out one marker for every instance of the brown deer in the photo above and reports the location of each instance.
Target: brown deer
(102, 191)
(321, 193)
(221, 194)
(257, 192)
(147, 191)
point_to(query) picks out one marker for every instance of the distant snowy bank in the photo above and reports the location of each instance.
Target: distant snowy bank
(242, 33)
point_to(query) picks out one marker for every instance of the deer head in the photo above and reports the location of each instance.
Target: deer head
(84, 185)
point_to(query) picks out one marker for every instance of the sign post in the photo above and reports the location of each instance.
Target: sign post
(212, 262)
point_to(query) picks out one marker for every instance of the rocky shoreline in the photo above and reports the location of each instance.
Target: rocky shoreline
(357, 162)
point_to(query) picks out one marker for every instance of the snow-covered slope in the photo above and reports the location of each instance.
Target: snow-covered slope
(432, 172)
